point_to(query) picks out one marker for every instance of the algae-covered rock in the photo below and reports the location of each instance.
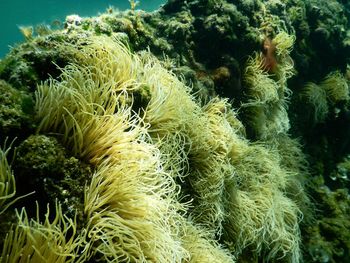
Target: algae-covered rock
(44, 167)
(16, 111)
(37, 59)
(327, 240)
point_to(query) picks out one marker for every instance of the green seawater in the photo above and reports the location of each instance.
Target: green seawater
(15, 13)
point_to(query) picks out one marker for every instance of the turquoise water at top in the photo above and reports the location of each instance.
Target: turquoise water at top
(14, 13)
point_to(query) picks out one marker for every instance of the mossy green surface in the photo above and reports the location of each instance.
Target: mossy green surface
(16, 111)
(327, 239)
(44, 166)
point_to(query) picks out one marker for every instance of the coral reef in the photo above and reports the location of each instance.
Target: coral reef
(171, 136)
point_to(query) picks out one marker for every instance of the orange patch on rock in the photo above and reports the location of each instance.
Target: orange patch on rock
(269, 62)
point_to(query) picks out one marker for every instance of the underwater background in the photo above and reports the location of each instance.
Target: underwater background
(21, 13)
(205, 131)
